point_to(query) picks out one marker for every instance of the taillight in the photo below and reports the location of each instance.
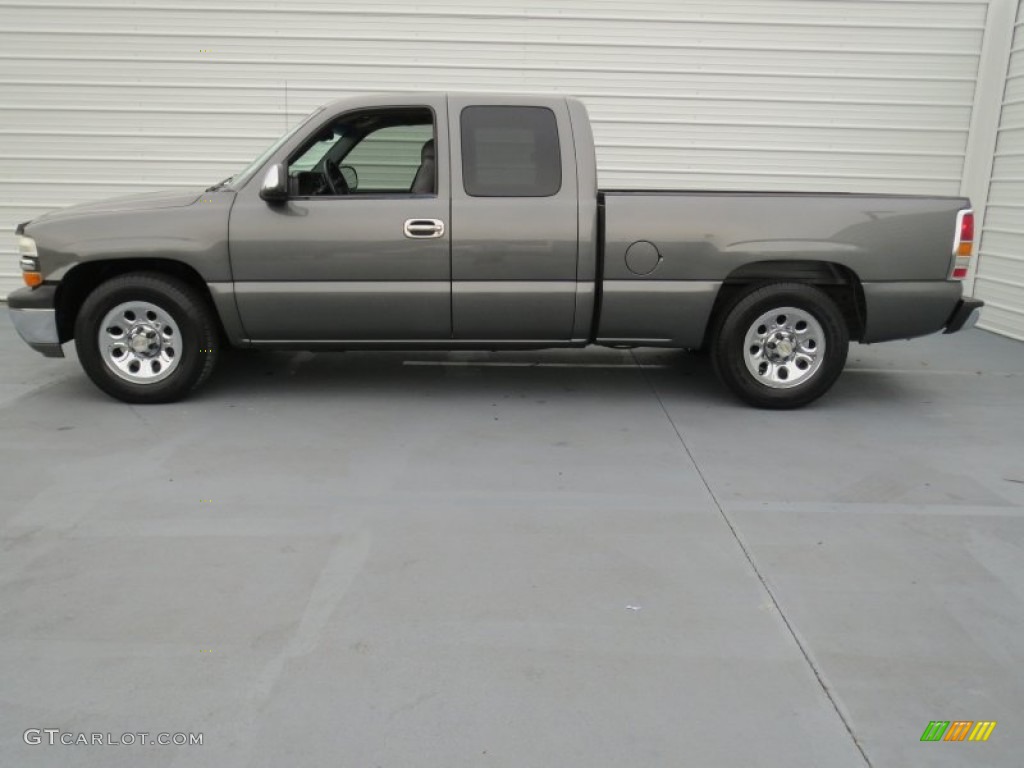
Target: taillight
(963, 244)
(967, 226)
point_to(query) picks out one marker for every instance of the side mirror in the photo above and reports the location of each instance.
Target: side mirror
(275, 184)
(351, 177)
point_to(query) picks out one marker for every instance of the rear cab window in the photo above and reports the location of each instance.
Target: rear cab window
(510, 152)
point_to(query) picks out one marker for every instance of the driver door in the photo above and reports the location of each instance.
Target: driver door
(336, 264)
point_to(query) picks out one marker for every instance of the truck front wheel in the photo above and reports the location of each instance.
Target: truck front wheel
(782, 345)
(146, 337)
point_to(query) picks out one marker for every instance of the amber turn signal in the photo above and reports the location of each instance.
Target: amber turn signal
(32, 279)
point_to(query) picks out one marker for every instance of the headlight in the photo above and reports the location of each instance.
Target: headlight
(29, 261)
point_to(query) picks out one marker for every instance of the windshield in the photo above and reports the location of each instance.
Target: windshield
(239, 179)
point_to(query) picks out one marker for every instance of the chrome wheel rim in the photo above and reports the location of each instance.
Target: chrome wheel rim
(140, 342)
(784, 347)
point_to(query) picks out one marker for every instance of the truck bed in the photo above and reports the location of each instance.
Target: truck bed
(664, 255)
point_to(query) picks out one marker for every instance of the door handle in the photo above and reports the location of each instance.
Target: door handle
(423, 228)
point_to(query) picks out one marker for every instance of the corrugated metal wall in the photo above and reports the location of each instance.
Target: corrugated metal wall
(105, 98)
(1000, 273)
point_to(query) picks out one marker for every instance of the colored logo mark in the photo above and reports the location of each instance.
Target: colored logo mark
(958, 730)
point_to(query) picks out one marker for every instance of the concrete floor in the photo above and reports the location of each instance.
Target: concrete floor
(415, 560)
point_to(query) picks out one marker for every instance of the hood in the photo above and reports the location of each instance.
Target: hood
(147, 201)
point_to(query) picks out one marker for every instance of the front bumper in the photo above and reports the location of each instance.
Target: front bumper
(964, 316)
(35, 318)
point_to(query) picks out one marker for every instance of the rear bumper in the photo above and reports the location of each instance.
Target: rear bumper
(964, 316)
(35, 318)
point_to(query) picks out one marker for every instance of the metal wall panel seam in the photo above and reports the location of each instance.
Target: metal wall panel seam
(880, 116)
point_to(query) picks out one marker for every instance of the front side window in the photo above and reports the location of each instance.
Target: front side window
(510, 152)
(388, 159)
(370, 152)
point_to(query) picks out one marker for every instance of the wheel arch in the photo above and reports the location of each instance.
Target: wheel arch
(78, 282)
(839, 282)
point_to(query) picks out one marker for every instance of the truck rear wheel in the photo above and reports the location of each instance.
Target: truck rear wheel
(782, 345)
(146, 337)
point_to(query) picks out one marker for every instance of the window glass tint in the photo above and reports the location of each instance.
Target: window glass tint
(387, 159)
(371, 151)
(510, 152)
(313, 155)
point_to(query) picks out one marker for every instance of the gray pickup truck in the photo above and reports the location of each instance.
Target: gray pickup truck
(474, 221)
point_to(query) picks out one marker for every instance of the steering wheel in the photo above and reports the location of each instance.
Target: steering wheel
(335, 178)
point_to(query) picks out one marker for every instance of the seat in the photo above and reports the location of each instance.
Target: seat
(423, 183)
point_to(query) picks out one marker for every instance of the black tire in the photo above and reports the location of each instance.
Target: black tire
(766, 378)
(196, 338)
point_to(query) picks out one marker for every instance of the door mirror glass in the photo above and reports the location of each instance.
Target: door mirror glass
(275, 184)
(351, 177)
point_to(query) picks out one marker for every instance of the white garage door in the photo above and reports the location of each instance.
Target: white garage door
(1000, 274)
(110, 98)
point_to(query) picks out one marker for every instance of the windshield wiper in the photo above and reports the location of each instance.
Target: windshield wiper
(219, 184)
